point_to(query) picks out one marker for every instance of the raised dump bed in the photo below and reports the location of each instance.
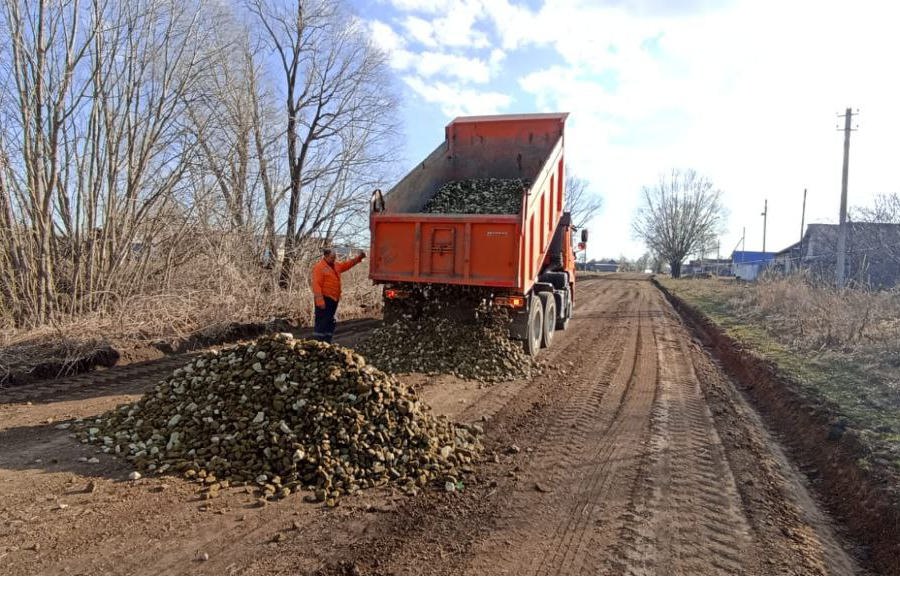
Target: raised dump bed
(510, 257)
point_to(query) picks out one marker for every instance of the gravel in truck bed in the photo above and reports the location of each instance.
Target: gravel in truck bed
(478, 196)
(288, 416)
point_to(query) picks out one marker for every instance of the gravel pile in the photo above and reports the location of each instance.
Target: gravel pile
(478, 196)
(441, 330)
(288, 415)
(437, 345)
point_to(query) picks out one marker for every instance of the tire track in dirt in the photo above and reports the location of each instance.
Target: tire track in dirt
(613, 459)
(686, 515)
(791, 532)
(568, 456)
(691, 513)
(491, 402)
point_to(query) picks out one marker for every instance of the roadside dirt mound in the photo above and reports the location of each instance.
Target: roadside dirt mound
(27, 362)
(480, 351)
(865, 500)
(287, 415)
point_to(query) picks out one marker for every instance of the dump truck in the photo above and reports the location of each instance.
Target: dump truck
(522, 264)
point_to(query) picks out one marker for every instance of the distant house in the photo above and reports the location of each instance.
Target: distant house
(873, 253)
(748, 265)
(706, 267)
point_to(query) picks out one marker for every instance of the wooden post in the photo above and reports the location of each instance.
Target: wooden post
(839, 274)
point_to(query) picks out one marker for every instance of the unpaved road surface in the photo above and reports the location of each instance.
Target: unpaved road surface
(631, 453)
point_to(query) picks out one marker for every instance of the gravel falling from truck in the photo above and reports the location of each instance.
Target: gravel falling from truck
(448, 330)
(287, 416)
(478, 197)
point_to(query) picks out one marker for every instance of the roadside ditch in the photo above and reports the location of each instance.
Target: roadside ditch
(863, 497)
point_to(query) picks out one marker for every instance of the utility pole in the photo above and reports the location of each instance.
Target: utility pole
(718, 256)
(842, 228)
(765, 216)
(802, 222)
(744, 240)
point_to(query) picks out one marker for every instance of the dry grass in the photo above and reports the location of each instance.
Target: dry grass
(844, 345)
(818, 318)
(206, 296)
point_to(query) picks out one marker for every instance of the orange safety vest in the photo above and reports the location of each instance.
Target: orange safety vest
(326, 279)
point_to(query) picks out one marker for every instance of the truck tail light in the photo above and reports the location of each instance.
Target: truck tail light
(510, 301)
(392, 294)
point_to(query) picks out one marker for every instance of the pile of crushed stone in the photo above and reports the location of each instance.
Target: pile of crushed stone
(436, 345)
(288, 415)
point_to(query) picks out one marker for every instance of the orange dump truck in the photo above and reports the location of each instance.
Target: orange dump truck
(522, 262)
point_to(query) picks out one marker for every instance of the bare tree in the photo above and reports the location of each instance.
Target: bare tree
(236, 130)
(885, 209)
(138, 138)
(340, 112)
(581, 203)
(643, 262)
(679, 215)
(95, 143)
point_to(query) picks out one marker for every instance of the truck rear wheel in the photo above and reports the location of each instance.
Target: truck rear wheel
(534, 334)
(563, 323)
(549, 304)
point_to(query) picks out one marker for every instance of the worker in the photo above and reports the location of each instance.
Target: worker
(326, 287)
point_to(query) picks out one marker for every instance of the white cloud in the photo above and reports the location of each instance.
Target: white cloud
(746, 95)
(496, 59)
(425, 6)
(458, 101)
(385, 37)
(744, 91)
(455, 29)
(472, 70)
(421, 31)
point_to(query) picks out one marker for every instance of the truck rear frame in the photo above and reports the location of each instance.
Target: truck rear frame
(521, 262)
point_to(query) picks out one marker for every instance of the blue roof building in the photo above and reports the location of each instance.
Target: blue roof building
(748, 265)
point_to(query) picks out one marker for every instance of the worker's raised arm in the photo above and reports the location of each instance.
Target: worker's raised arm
(349, 264)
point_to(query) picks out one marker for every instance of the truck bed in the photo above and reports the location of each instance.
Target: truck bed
(501, 251)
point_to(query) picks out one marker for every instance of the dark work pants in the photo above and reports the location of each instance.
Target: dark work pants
(325, 321)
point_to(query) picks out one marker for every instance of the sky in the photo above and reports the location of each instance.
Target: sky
(747, 93)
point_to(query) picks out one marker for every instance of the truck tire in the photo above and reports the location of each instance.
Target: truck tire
(535, 331)
(563, 324)
(549, 304)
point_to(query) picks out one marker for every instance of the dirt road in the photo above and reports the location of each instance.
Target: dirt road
(631, 454)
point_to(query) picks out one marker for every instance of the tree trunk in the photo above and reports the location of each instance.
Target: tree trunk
(675, 266)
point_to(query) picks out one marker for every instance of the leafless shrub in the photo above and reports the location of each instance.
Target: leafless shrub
(204, 295)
